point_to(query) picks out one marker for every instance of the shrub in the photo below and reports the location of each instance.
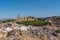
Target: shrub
(58, 31)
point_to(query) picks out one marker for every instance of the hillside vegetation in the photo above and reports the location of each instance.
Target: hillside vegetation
(34, 23)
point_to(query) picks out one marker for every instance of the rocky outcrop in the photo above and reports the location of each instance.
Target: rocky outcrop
(18, 32)
(55, 20)
(36, 34)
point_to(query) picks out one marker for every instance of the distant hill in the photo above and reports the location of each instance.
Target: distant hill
(5, 19)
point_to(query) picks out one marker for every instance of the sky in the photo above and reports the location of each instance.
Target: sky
(36, 8)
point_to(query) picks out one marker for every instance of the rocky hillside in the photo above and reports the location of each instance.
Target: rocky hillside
(14, 31)
(55, 20)
(35, 34)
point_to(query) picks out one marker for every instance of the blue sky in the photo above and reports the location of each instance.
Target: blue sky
(36, 8)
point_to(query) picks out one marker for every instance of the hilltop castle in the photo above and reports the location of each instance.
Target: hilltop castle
(29, 18)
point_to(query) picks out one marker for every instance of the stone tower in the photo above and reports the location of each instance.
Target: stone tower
(18, 18)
